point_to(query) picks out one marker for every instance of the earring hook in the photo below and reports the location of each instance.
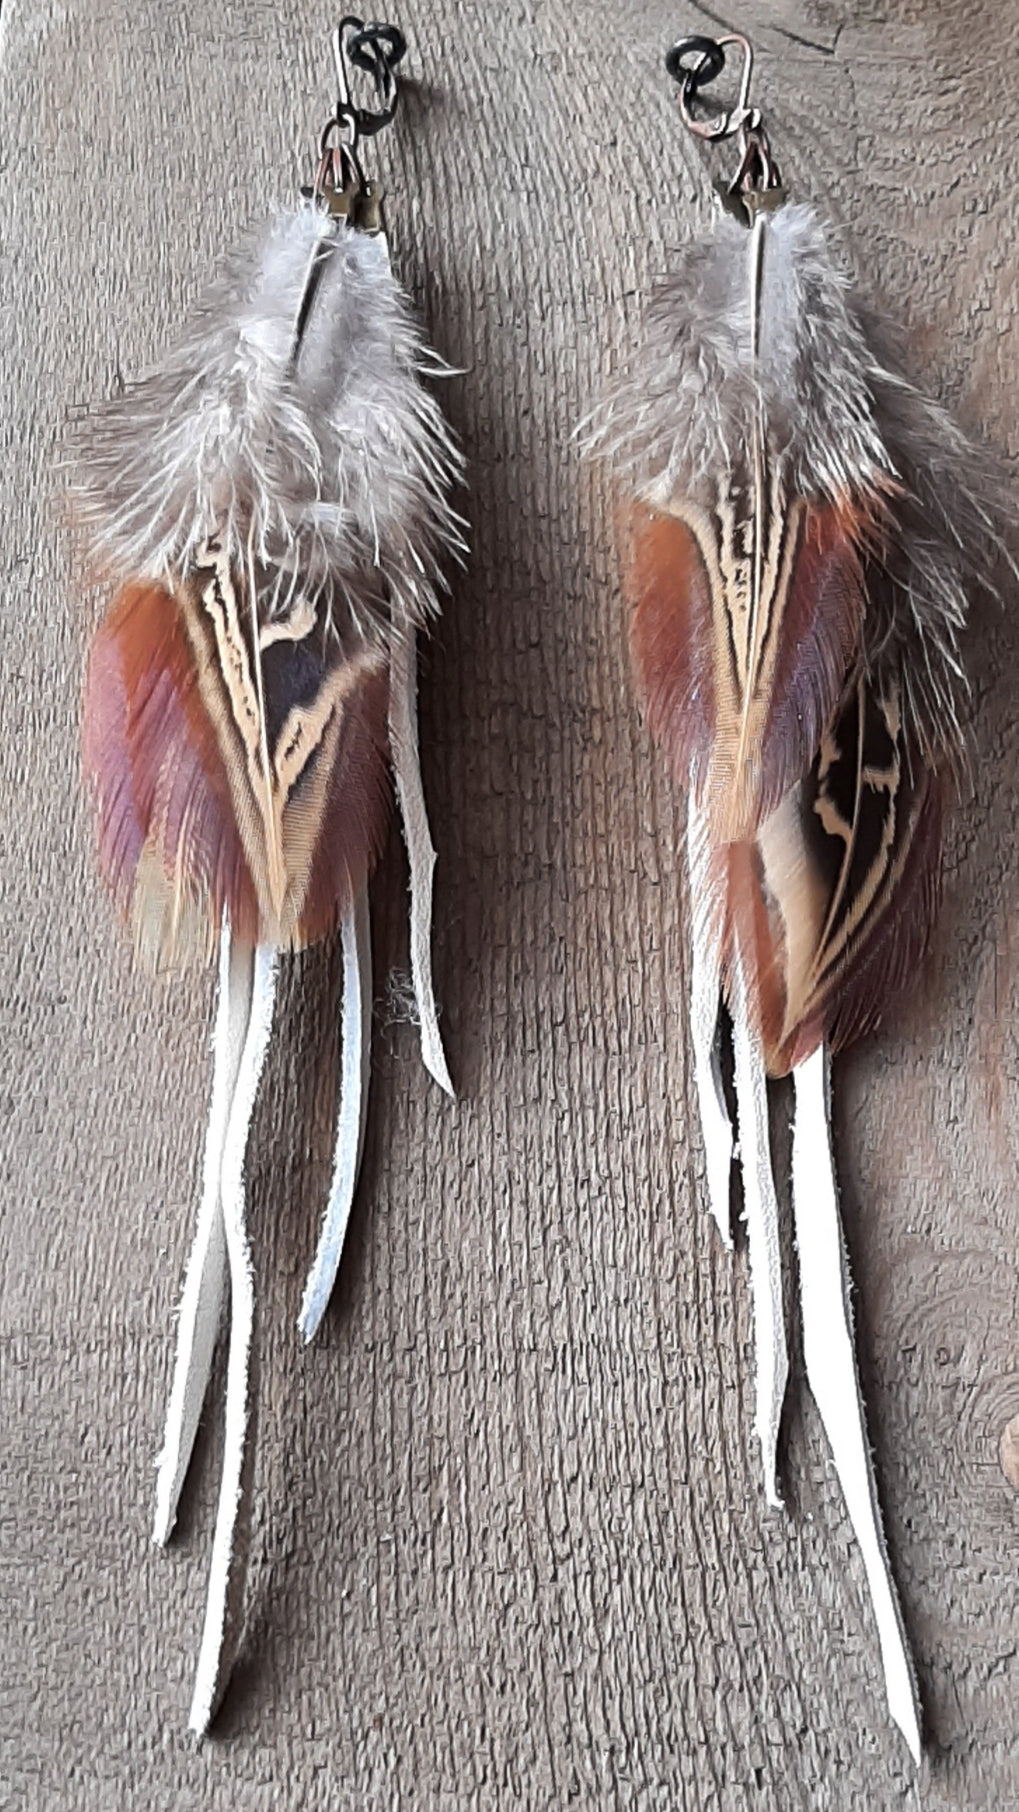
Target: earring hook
(693, 64)
(376, 49)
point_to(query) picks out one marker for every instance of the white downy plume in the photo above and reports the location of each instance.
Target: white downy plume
(334, 468)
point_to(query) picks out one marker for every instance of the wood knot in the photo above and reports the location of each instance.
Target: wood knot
(1008, 1451)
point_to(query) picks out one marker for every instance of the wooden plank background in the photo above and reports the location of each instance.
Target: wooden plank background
(510, 1547)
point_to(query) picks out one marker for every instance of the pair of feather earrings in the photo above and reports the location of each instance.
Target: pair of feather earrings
(272, 505)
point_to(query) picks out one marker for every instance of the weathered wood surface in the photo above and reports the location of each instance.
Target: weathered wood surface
(511, 1547)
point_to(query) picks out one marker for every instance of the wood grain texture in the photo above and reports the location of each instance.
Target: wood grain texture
(510, 1545)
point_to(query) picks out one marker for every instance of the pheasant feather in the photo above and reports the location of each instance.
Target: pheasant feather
(273, 514)
(271, 509)
(805, 533)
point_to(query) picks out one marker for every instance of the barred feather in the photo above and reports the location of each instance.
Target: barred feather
(330, 471)
(806, 533)
(271, 506)
(274, 513)
(684, 411)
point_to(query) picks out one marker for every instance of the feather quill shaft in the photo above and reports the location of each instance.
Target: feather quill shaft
(757, 254)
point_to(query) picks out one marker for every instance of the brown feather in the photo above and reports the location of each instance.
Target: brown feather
(823, 819)
(872, 812)
(744, 658)
(750, 937)
(165, 823)
(831, 906)
(258, 785)
(355, 808)
(284, 714)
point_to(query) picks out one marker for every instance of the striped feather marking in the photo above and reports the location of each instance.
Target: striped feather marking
(746, 618)
(850, 876)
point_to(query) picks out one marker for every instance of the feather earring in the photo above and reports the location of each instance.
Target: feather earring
(805, 530)
(271, 505)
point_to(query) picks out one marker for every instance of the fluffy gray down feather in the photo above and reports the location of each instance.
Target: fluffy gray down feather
(840, 419)
(330, 473)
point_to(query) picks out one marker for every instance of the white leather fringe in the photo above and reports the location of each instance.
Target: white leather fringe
(224, 1601)
(403, 736)
(705, 997)
(831, 1370)
(202, 1298)
(355, 1071)
(760, 1211)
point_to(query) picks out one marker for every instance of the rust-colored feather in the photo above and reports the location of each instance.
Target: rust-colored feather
(821, 809)
(870, 814)
(354, 811)
(743, 644)
(179, 714)
(829, 909)
(168, 843)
